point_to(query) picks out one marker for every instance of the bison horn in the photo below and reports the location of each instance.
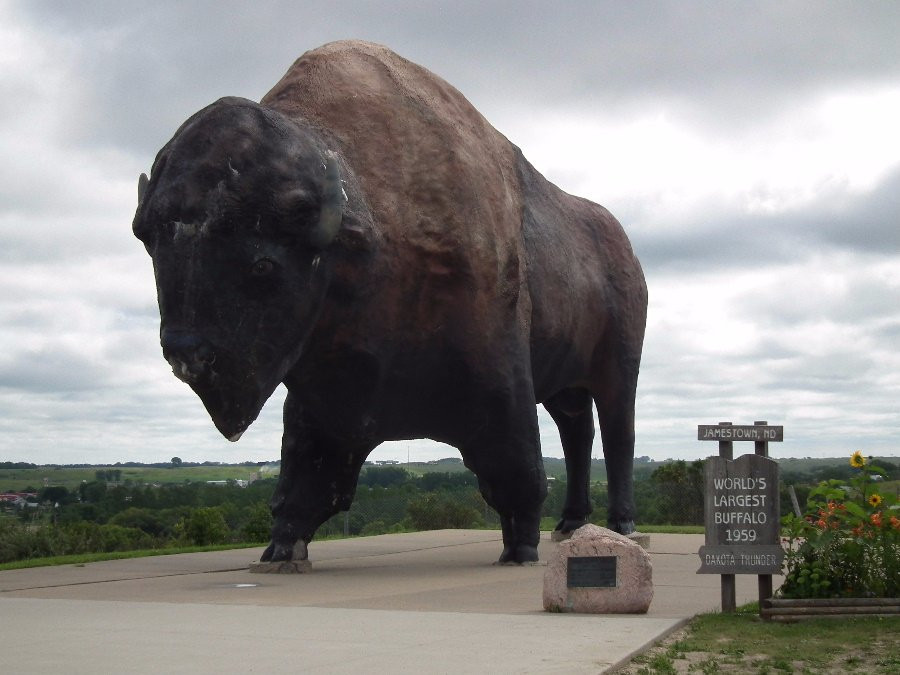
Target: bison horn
(333, 199)
(143, 182)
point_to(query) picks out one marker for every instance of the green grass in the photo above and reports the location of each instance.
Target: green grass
(85, 558)
(548, 523)
(671, 529)
(742, 643)
(70, 478)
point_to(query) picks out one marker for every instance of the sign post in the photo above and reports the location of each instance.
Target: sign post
(741, 509)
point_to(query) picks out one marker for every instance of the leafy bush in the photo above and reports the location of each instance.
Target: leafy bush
(847, 544)
(679, 498)
(440, 511)
(373, 527)
(141, 519)
(258, 523)
(384, 476)
(18, 541)
(204, 526)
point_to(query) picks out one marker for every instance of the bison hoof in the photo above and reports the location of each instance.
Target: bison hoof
(621, 526)
(517, 555)
(567, 525)
(282, 552)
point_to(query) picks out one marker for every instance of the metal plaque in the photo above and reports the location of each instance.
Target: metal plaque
(591, 572)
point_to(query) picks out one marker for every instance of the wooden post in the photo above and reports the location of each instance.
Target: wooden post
(764, 581)
(726, 448)
(729, 588)
(794, 502)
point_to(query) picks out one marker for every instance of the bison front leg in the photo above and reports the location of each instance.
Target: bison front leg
(506, 458)
(318, 479)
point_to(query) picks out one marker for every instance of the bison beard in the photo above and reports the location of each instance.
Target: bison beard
(366, 237)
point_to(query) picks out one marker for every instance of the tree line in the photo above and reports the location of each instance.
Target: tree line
(104, 515)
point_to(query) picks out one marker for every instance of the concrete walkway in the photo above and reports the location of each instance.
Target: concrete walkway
(428, 602)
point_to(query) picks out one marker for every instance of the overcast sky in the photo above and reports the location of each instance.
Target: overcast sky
(751, 150)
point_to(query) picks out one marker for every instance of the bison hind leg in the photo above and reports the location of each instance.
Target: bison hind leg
(615, 409)
(572, 411)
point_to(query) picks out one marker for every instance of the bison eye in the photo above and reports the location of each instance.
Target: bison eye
(262, 267)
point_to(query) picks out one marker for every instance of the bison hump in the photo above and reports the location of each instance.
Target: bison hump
(436, 175)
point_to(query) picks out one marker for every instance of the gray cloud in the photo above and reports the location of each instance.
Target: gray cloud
(718, 237)
(869, 224)
(61, 371)
(789, 315)
(144, 67)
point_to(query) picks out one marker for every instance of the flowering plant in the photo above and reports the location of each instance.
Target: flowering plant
(847, 544)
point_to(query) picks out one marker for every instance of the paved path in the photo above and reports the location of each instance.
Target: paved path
(428, 602)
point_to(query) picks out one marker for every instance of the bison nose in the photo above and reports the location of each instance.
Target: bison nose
(190, 356)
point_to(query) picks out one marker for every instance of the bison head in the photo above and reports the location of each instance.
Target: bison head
(237, 215)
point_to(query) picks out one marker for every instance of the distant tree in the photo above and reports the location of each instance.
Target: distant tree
(204, 526)
(176, 461)
(93, 492)
(258, 523)
(55, 494)
(556, 496)
(437, 512)
(646, 504)
(842, 471)
(80, 511)
(384, 476)
(680, 496)
(437, 480)
(600, 501)
(142, 519)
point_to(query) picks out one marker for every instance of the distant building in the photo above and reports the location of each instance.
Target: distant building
(270, 469)
(17, 499)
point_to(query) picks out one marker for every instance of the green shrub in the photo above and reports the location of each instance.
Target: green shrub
(257, 523)
(204, 526)
(19, 542)
(142, 519)
(847, 544)
(437, 512)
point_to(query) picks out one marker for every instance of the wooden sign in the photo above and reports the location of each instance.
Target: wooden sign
(742, 517)
(740, 432)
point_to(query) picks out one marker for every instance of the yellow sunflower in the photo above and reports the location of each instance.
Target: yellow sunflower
(857, 461)
(874, 500)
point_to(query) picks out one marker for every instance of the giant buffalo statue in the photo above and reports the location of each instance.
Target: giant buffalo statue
(364, 236)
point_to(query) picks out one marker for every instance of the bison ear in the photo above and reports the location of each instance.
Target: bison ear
(143, 182)
(333, 199)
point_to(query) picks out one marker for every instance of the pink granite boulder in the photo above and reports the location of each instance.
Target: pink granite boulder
(633, 589)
